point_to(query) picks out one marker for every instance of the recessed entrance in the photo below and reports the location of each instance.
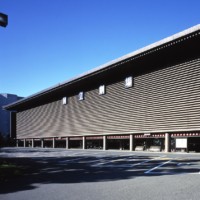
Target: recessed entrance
(76, 143)
(118, 142)
(194, 144)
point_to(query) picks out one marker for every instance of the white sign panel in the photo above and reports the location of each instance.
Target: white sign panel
(101, 89)
(181, 143)
(128, 82)
(80, 96)
(64, 100)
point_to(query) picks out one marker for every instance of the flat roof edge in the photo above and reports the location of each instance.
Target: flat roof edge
(127, 56)
(35, 94)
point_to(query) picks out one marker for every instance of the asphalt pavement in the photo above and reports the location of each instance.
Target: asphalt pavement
(97, 174)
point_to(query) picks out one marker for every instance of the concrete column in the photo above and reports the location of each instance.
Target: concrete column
(121, 145)
(104, 143)
(131, 143)
(54, 143)
(167, 142)
(24, 142)
(67, 143)
(32, 143)
(42, 143)
(84, 142)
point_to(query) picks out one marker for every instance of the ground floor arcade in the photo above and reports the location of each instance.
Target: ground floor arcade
(165, 142)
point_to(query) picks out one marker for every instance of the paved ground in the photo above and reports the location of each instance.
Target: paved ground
(77, 174)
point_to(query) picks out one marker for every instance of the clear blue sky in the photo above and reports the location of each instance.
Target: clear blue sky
(49, 41)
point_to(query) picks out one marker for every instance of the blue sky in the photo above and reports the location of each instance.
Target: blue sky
(49, 41)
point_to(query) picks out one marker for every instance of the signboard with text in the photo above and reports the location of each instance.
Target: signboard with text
(64, 100)
(80, 96)
(128, 82)
(101, 89)
(181, 143)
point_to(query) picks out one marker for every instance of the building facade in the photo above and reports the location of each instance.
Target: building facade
(4, 114)
(148, 99)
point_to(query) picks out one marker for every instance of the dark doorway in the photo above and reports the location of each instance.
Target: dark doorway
(76, 144)
(118, 144)
(194, 144)
(60, 143)
(94, 144)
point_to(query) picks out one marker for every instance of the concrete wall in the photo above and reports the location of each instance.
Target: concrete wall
(4, 114)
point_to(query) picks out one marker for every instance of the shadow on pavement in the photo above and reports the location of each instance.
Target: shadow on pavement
(55, 171)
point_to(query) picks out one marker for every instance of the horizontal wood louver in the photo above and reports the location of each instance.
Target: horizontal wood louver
(164, 100)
